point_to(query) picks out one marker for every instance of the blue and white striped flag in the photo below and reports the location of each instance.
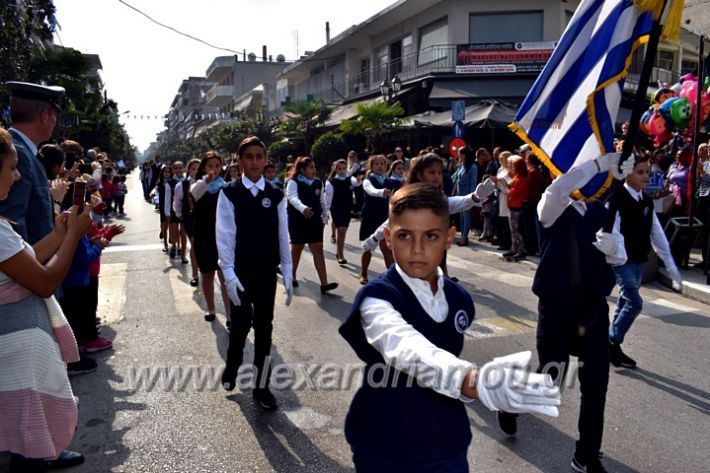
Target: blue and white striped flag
(569, 114)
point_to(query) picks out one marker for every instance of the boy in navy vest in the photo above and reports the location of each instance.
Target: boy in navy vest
(637, 222)
(408, 326)
(252, 240)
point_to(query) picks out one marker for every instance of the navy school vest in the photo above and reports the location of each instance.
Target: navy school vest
(393, 417)
(257, 220)
(342, 195)
(569, 274)
(636, 223)
(377, 207)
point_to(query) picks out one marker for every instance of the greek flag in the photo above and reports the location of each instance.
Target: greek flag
(569, 114)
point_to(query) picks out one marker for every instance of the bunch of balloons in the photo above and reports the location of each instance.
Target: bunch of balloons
(673, 110)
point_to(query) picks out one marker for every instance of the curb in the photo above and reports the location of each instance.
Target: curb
(691, 290)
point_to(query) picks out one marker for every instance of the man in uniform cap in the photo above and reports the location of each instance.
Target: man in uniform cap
(34, 110)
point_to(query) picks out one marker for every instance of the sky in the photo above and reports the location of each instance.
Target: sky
(144, 64)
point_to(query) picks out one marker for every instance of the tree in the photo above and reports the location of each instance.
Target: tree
(374, 119)
(24, 26)
(305, 120)
(327, 148)
(279, 150)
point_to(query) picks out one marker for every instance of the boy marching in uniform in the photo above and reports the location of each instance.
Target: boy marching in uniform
(252, 240)
(408, 326)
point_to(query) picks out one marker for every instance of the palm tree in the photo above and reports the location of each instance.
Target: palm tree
(304, 118)
(374, 119)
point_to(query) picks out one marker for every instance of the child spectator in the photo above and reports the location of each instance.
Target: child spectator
(120, 191)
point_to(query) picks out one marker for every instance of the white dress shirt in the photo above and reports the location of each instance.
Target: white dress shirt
(405, 348)
(226, 230)
(177, 201)
(457, 204)
(659, 242)
(371, 190)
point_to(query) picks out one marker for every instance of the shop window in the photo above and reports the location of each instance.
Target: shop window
(505, 27)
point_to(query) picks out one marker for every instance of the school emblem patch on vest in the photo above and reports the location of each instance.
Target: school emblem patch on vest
(461, 321)
(317, 192)
(645, 212)
(266, 202)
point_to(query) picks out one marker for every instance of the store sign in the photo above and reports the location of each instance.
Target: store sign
(503, 58)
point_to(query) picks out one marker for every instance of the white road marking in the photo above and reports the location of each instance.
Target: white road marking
(125, 248)
(112, 291)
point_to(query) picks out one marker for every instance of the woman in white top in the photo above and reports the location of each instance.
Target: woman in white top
(39, 413)
(501, 179)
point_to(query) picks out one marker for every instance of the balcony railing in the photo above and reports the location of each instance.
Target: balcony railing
(219, 68)
(218, 95)
(434, 59)
(657, 75)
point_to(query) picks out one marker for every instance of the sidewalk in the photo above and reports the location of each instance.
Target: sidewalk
(694, 281)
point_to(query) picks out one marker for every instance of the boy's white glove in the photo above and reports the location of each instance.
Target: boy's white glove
(676, 279)
(485, 189)
(288, 285)
(610, 162)
(233, 286)
(606, 243)
(370, 243)
(505, 384)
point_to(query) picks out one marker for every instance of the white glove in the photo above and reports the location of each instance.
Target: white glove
(677, 281)
(370, 244)
(288, 285)
(606, 243)
(610, 162)
(485, 189)
(233, 285)
(505, 384)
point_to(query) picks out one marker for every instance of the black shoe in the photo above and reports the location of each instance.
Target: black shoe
(519, 256)
(453, 279)
(83, 366)
(194, 282)
(172, 252)
(265, 399)
(294, 283)
(508, 422)
(66, 459)
(618, 358)
(229, 324)
(229, 376)
(184, 261)
(342, 261)
(592, 466)
(508, 254)
(328, 287)
(210, 317)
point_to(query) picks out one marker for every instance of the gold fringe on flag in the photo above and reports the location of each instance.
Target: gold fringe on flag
(671, 28)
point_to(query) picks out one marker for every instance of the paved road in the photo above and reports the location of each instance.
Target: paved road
(657, 416)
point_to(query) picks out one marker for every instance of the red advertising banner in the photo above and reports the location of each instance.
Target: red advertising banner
(502, 58)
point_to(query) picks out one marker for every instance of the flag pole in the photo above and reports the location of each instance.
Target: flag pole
(640, 105)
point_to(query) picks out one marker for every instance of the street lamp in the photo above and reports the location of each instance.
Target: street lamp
(390, 89)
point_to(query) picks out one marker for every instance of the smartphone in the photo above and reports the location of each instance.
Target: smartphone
(69, 160)
(79, 198)
(85, 169)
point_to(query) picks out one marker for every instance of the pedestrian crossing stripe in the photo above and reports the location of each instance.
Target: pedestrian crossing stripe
(491, 327)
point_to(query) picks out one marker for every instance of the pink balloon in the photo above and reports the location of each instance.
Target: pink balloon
(690, 91)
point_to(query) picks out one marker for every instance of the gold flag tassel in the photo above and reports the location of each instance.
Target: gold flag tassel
(671, 27)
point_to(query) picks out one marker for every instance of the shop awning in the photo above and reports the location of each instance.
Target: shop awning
(511, 89)
(484, 114)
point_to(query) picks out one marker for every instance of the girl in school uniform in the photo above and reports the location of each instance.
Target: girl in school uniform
(396, 174)
(183, 205)
(166, 174)
(339, 197)
(378, 190)
(205, 193)
(307, 216)
(429, 169)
